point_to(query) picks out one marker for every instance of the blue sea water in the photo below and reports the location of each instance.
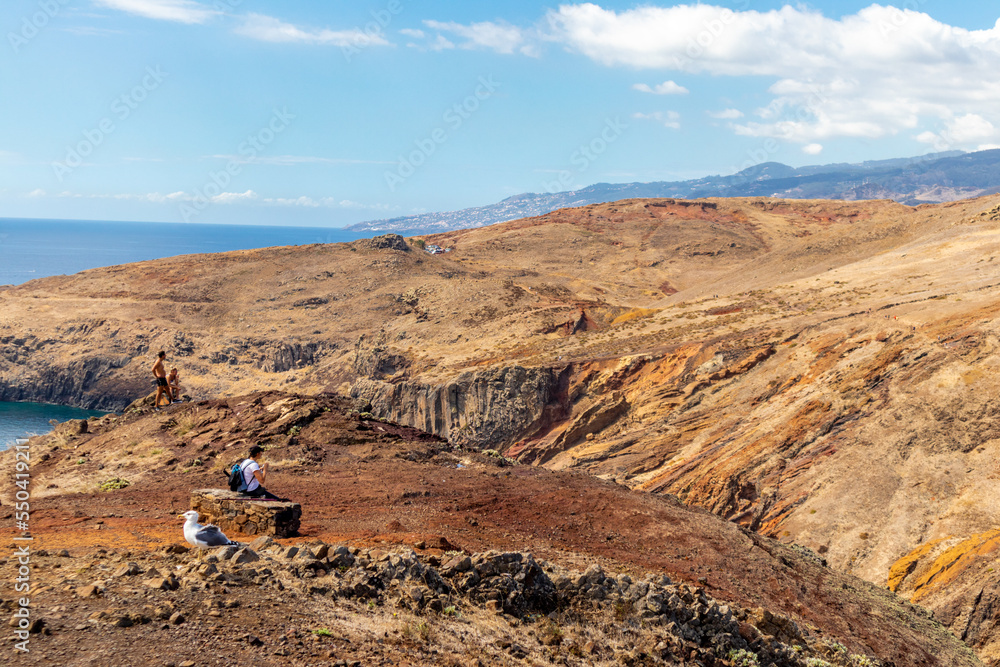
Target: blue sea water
(20, 420)
(32, 249)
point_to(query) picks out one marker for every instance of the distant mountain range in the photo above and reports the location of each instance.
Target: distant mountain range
(930, 178)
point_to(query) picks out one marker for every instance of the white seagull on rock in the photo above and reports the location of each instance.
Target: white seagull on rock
(203, 537)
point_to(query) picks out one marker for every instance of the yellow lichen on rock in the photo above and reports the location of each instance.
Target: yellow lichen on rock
(948, 566)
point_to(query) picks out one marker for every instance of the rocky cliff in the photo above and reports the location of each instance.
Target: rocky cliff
(820, 372)
(406, 555)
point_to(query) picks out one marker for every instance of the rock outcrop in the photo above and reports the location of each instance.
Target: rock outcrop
(489, 408)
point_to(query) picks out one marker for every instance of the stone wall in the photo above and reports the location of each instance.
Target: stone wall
(233, 512)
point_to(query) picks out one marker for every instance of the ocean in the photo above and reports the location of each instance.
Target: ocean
(20, 420)
(31, 249)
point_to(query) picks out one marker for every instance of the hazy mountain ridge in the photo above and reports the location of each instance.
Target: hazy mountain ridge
(933, 178)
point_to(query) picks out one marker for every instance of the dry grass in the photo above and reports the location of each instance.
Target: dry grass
(634, 314)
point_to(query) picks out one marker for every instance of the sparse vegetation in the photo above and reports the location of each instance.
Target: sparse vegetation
(549, 633)
(634, 314)
(184, 426)
(864, 661)
(817, 662)
(743, 658)
(114, 484)
(500, 458)
(417, 632)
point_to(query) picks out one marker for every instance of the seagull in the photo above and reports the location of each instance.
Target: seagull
(203, 537)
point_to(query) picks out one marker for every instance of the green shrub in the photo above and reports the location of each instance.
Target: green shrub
(817, 662)
(113, 484)
(743, 658)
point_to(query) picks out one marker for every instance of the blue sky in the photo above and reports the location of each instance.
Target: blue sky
(329, 113)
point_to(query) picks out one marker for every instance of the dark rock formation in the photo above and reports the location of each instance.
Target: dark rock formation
(485, 408)
(384, 242)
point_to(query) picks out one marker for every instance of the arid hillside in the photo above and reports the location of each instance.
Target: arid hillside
(820, 372)
(413, 551)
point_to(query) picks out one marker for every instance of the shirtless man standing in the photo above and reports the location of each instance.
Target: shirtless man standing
(162, 386)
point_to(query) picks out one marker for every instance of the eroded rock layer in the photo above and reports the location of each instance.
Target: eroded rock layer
(820, 372)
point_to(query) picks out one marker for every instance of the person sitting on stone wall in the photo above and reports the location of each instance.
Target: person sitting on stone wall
(255, 475)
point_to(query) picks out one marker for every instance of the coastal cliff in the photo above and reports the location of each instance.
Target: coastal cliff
(409, 542)
(817, 372)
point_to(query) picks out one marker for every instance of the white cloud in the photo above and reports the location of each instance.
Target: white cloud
(91, 31)
(726, 114)
(812, 149)
(36, 193)
(669, 119)
(233, 197)
(871, 74)
(269, 29)
(247, 197)
(971, 128)
(965, 130)
(292, 160)
(410, 32)
(441, 43)
(500, 37)
(665, 88)
(150, 197)
(180, 11)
